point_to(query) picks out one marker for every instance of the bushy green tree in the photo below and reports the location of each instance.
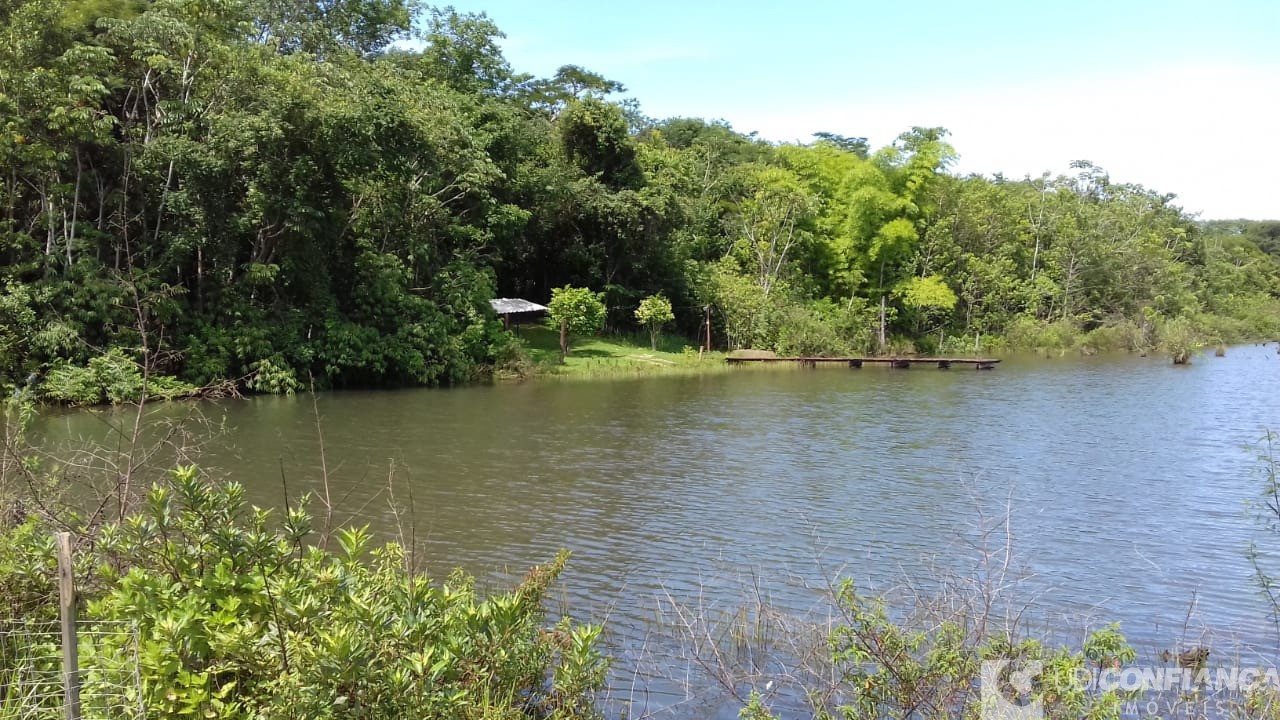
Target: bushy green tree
(577, 311)
(654, 312)
(750, 319)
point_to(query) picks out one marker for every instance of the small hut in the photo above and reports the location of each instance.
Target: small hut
(506, 307)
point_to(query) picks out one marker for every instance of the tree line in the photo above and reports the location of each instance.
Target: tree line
(270, 193)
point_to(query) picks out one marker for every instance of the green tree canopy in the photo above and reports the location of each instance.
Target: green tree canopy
(654, 312)
(578, 311)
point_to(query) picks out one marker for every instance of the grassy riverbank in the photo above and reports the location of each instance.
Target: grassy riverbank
(624, 355)
(611, 355)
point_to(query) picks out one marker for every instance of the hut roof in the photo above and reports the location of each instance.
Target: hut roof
(505, 306)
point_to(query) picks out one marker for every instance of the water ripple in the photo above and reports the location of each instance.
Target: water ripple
(1127, 481)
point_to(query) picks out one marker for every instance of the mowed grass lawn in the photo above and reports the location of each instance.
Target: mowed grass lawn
(614, 354)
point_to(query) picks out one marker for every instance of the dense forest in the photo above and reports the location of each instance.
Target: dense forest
(266, 193)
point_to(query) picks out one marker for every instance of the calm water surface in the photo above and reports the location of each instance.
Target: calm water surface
(1128, 482)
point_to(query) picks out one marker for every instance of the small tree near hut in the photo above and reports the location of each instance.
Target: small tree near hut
(653, 313)
(578, 312)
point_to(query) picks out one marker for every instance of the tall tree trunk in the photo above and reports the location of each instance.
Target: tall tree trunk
(1035, 257)
(1068, 281)
(164, 196)
(69, 229)
(564, 340)
(200, 278)
(46, 202)
(882, 314)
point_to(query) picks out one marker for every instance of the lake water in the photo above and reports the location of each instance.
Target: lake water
(1127, 482)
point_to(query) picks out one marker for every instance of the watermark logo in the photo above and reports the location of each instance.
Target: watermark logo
(1006, 690)
(1010, 689)
(1230, 680)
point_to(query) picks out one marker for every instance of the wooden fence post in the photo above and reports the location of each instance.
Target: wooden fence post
(67, 610)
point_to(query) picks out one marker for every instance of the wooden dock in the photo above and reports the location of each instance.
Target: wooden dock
(900, 362)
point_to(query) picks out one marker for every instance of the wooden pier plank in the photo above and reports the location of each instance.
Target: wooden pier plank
(900, 361)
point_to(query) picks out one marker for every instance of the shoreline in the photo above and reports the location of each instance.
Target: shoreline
(622, 357)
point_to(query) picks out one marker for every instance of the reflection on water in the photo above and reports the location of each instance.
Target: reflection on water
(1127, 481)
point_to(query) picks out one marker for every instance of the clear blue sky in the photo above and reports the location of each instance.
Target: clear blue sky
(1180, 96)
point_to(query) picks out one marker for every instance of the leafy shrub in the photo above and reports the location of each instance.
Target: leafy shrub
(654, 312)
(28, 588)
(1028, 333)
(855, 322)
(56, 338)
(967, 345)
(238, 619)
(751, 317)
(17, 322)
(900, 345)
(755, 709)
(890, 669)
(1251, 316)
(109, 378)
(804, 332)
(1122, 335)
(210, 354)
(167, 387)
(1179, 339)
(511, 358)
(272, 376)
(73, 385)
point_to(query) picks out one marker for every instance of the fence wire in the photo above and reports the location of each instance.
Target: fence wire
(32, 683)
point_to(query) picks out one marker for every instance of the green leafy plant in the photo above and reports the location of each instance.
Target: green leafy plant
(893, 671)
(271, 376)
(577, 311)
(1269, 519)
(113, 378)
(805, 332)
(241, 616)
(755, 709)
(654, 312)
(1180, 339)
